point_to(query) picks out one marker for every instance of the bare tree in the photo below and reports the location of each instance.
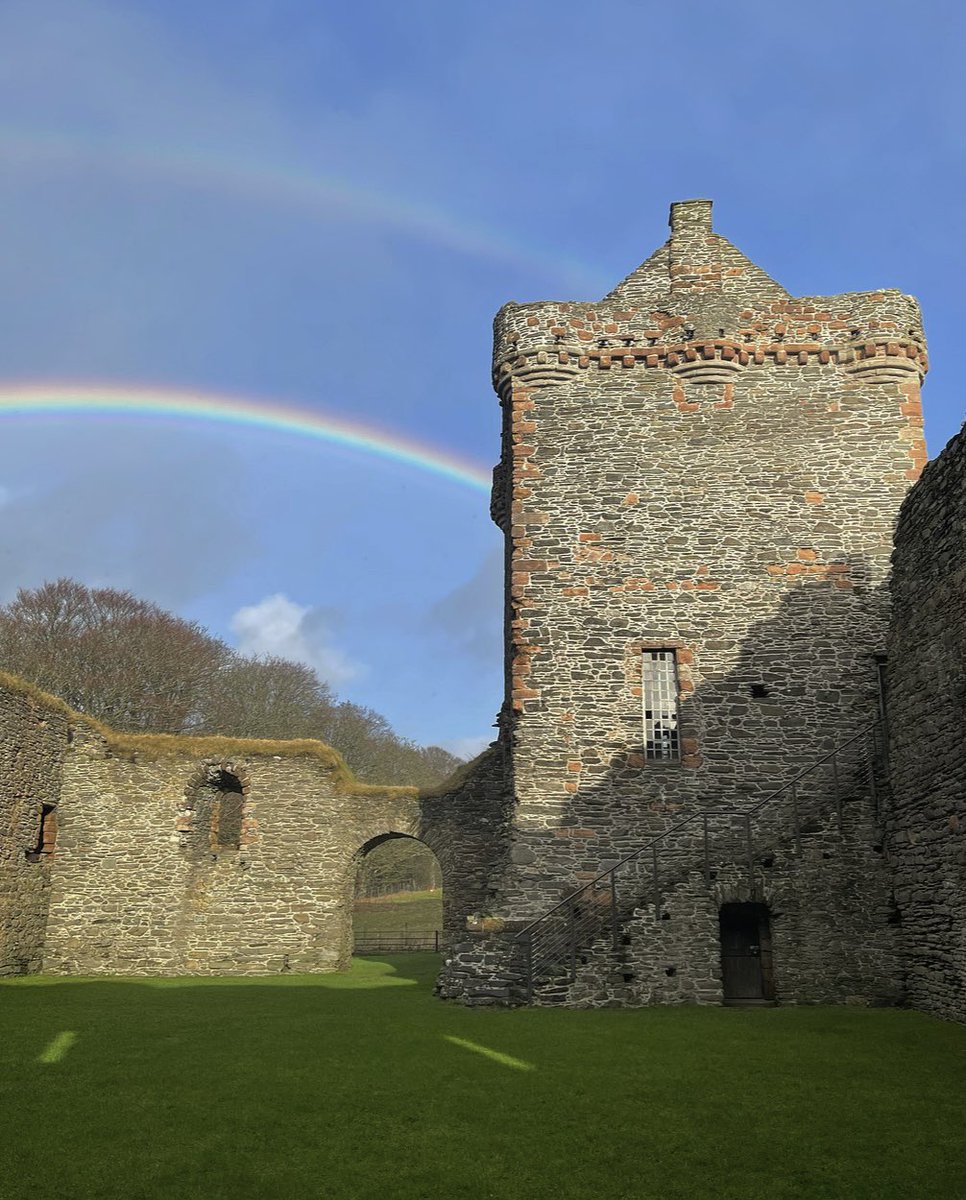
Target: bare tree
(141, 669)
(266, 697)
(110, 655)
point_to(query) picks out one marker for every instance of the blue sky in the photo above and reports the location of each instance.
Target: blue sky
(325, 205)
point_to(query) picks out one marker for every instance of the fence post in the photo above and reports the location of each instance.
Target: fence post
(838, 792)
(529, 965)
(436, 940)
(873, 786)
(614, 922)
(751, 857)
(571, 916)
(707, 857)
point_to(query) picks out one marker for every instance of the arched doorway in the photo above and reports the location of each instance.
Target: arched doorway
(397, 897)
(746, 965)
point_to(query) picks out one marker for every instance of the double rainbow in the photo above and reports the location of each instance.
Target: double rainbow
(316, 195)
(68, 400)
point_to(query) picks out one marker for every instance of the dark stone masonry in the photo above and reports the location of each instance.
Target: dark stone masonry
(927, 720)
(699, 480)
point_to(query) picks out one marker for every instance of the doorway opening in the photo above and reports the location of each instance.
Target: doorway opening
(397, 897)
(746, 961)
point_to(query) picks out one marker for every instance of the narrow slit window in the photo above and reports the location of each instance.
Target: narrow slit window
(231, 808)
(46, 834)
(660, 691)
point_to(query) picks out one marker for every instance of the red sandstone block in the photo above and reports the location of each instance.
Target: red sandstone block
(807, 554)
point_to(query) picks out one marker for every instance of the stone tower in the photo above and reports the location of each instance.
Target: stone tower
(699, 479)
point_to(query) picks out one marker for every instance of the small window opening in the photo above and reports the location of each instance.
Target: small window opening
(660, 690)
(759, 691)
(231, 803)
(46, 833)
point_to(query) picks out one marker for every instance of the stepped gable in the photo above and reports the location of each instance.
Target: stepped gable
(700, 307)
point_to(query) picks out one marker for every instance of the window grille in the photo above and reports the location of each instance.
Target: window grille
(660, 690)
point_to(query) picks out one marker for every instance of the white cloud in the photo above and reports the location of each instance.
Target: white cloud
(279, 626)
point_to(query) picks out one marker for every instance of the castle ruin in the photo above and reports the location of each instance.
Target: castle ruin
(730, 761)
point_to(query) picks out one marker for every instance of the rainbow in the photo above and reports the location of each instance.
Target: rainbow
(113, 400)
(316, 195)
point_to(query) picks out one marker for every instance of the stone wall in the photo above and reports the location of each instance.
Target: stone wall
(705, 463)
(176, 856)
(33, 743)
(698, 462)
(927, 720)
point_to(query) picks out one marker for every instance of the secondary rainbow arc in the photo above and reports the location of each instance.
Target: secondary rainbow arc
(69, 400)
(318, 193)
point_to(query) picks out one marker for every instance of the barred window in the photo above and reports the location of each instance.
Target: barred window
(660, 690)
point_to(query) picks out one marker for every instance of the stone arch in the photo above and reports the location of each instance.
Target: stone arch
(373, 845)
(212, 819)
(402, 829)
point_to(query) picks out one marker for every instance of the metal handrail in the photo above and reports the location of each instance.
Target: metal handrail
(569, 901)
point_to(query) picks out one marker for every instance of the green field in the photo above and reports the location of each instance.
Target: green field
(363, 1085)
(400, 911)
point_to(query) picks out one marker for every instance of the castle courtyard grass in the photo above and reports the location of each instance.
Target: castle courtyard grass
(398, 913)
(363, 1085)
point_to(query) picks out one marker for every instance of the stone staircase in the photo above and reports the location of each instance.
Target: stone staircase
(645, 930)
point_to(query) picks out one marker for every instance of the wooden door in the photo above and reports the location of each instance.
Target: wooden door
(741, 965)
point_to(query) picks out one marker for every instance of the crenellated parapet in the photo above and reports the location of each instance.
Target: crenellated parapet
(703, 311)
(876, 336)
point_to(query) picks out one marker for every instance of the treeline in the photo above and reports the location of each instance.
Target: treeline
(399, 865)
(140, 669)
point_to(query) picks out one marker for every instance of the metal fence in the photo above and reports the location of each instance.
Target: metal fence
(397, 941)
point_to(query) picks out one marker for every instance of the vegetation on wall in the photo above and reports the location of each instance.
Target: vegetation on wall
(131, 665)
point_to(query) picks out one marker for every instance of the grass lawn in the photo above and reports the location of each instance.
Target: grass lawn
(363, 1085)
(421, 911)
